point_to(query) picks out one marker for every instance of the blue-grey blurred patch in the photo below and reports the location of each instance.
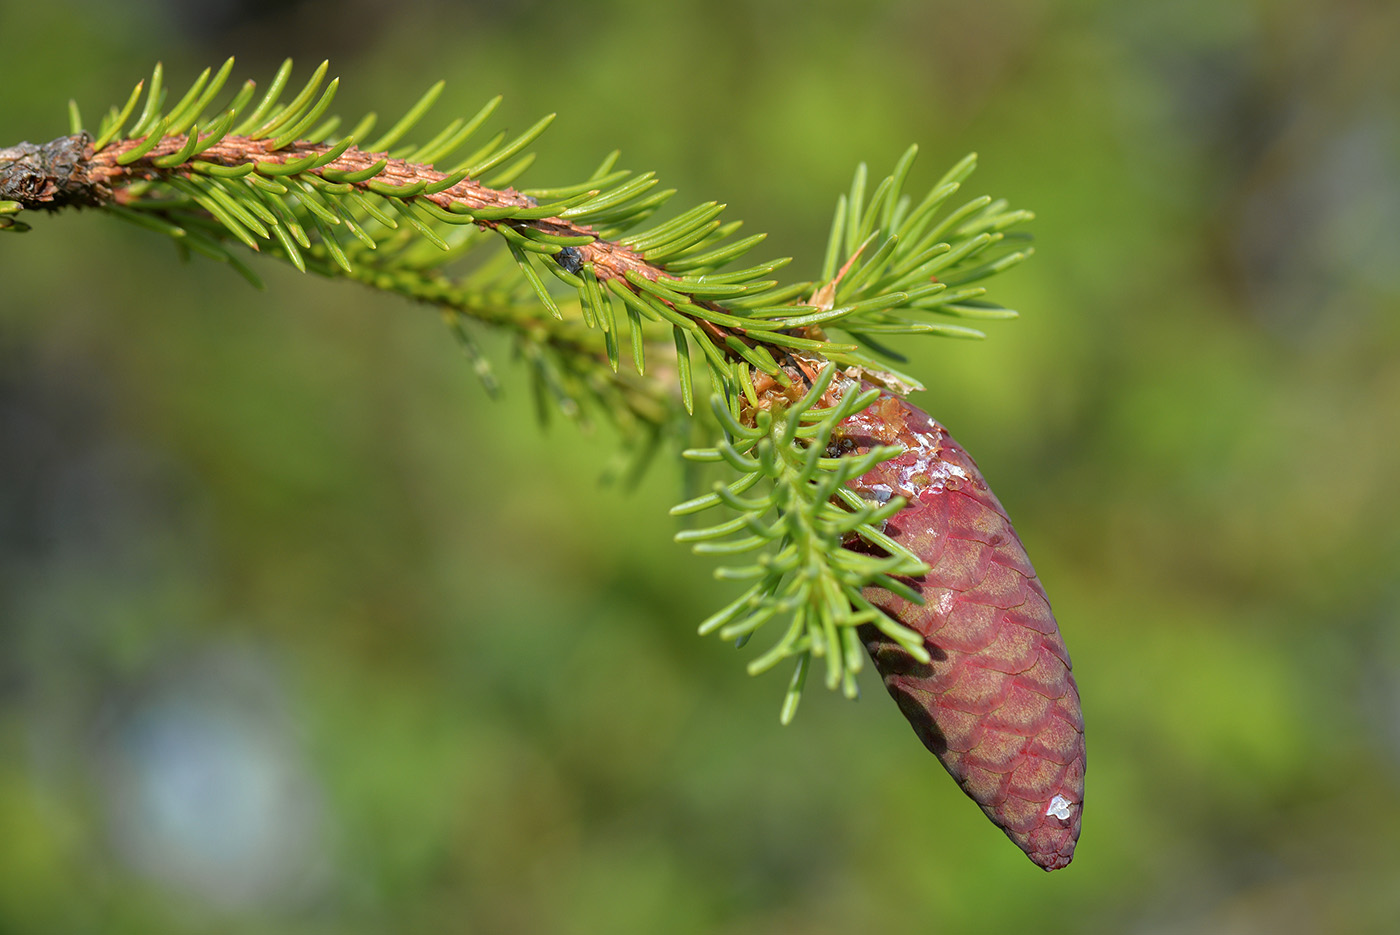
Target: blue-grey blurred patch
(206, 789)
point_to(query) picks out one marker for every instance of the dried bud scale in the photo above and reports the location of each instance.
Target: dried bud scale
(997, 704)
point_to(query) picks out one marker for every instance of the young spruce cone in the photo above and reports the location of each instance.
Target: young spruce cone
(997, 705)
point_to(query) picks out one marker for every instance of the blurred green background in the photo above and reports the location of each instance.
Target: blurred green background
(300, 633)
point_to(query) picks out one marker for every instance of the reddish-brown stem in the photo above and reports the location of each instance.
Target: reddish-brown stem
(611, 260)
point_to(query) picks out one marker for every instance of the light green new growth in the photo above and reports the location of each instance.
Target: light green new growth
(804, 516)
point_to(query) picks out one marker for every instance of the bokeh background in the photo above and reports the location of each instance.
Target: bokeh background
(300, 633)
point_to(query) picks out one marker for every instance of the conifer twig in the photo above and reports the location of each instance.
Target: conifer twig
(276, 178)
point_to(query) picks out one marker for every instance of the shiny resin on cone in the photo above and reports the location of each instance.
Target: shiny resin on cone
(997, 704)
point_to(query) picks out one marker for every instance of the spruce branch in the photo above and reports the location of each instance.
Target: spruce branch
(784, 361)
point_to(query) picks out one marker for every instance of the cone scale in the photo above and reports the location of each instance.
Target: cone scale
(997, 703)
